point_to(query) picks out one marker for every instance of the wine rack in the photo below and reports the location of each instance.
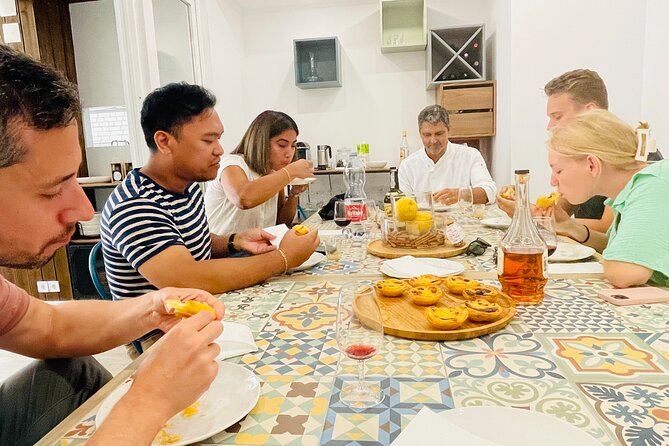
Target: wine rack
(456, 54)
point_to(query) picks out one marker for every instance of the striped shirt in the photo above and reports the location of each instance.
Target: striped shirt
(139, 221)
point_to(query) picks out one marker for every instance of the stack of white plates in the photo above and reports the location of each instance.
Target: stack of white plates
(409, 266)
(91, 227)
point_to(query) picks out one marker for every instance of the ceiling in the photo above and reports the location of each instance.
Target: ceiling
(283, 5)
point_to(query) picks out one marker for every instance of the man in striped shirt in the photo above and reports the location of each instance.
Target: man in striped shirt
(154, 229)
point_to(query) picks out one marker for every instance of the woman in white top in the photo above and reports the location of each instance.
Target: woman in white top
(248, 191)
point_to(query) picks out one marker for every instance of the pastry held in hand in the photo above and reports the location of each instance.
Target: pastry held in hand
(188, 308)
(545, 202)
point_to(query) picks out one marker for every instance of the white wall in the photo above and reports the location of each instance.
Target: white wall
(175, 57)
(381, 93)
(96, 53)
(540, 39)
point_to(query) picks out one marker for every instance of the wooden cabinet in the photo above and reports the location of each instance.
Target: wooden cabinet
(471, 107)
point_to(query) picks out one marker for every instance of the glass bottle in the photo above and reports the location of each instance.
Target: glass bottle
(522, 254)
(404, 146)
(394, 191)
(354, 178)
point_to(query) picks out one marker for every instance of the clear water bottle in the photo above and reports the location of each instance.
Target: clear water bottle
(354, 179)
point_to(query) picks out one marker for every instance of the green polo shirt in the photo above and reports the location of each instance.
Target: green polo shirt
(640, 230)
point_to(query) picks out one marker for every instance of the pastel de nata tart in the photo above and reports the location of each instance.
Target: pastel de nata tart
(188, 308)
(425, 280)
(545, 202)
(425, 295)
(509, 193)
(301, 229)
(480, 310)
(446, 318)
(391, 287)
(456, 284)
(480, 291)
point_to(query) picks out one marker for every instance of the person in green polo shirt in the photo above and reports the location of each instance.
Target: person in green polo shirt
(596, 155)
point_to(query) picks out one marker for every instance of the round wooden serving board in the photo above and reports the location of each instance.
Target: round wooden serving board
(378, 249)
(401, 317)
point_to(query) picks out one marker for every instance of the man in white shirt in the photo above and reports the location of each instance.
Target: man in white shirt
(443, 167)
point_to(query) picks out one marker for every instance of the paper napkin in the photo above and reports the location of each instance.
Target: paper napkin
(412, 266)
(279, 231)
(431, 428)
(575, 268)
(235, 340)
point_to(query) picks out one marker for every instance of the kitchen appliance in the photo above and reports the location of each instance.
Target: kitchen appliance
(303, 150)
(324, 155)
(341, 157)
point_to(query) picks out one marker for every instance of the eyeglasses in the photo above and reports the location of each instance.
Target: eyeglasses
(477, 247)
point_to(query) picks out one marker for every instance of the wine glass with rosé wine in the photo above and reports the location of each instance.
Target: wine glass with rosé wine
(359, 331)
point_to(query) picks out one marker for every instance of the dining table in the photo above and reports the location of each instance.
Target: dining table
(601, 368)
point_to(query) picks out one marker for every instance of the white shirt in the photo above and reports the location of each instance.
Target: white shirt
(224, 217)
(460, 166)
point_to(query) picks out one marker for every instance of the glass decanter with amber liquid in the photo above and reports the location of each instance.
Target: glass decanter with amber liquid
(522, 254)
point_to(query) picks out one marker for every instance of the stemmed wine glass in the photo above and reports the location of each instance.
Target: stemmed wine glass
(547, 232)
(341, 219)
(359, 330)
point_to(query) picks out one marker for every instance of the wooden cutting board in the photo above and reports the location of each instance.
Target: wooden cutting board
(401, 317)
(379, 249)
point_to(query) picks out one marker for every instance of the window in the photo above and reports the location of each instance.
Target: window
(106, 126)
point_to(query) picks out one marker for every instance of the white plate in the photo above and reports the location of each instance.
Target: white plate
(302, 181)
(232, 395)
(496, 222)
(87, 180)
(518, 427)
(449, 268)
(568, 252)
(313, 260)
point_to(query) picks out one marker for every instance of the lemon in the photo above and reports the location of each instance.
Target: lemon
(406, 209)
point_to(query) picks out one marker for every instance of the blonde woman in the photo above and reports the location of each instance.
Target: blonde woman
(595, 155)
(248, 191)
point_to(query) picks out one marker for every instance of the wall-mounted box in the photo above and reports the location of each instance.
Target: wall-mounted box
(471, 107)
(317, 62)
(456, 54)
(403, 25)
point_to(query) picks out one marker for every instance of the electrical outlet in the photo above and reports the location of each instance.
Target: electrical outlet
(42, 286)
(54, 286)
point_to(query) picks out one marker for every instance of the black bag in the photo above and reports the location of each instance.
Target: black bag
(327, 211)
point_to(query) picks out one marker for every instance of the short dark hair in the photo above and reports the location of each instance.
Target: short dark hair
(583, 85)
(33, 95)
(168, 108)
(255, 145)
(434, 114)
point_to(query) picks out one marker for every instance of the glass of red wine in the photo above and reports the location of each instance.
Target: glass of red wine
(547, 231)
(359, 331)
(341, 219)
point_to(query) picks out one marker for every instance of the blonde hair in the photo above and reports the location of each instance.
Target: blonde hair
(599, 133)
(583, 85)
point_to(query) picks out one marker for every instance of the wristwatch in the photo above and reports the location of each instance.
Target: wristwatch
(231, 245)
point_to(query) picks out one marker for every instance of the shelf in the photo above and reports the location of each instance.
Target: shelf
(403, 25)
(98, 185)
(455, 54)
(84, 240)
(317, 63)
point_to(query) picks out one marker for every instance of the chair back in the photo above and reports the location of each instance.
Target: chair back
(94, 272)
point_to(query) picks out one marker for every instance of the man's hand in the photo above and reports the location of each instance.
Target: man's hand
(254, 241)
(181, 365)
(446, 196)
(508, 205)
(165, 319)
(298, 248)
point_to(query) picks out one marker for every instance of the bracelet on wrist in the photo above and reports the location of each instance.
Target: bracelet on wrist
(285, 260)
(587, 237)
(231, 244)
(287, 173)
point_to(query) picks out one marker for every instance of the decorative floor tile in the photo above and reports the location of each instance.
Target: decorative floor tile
(291, 411)
(502, 354)
(380, 425)
(649, 318)
(566, 308)
(606, 356)
(550, 396)
(658, 341)
(409, 358)
(638, 413)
